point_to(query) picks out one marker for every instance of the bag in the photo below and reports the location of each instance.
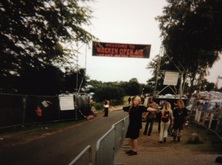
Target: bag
(151, 115)
(165, 116)
(144, 116)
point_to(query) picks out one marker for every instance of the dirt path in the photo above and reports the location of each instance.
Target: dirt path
(151, 143)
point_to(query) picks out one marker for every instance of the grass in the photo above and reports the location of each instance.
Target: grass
(211, 142)
(23, 134)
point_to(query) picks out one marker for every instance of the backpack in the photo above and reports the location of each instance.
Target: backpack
(165, 116)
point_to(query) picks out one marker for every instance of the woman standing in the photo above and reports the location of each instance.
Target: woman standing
(180, 117)
(135, 123)
(166, 120)
(106, 108)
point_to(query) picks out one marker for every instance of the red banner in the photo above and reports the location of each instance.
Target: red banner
(121, 50)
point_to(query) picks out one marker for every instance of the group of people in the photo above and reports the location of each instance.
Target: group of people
(167, 118)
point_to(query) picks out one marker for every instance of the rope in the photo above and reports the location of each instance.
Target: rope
(80, 112)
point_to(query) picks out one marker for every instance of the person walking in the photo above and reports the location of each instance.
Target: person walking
(150, 118)
(135, 122)
(180, 114)
(129, 99)
(166, 119)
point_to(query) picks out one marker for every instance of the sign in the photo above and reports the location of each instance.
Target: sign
(120, 50)
(66, 102)
(171, 78)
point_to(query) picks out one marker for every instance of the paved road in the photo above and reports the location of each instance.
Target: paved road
(60, 148)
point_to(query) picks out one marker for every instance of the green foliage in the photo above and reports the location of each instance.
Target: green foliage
(149, 88)
(32, 33)
(111, 92)
(132, 87)
(99, 105)
(115, 91)
(74, 79)
(191, 32)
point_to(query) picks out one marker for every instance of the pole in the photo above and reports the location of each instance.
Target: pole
(156, 75)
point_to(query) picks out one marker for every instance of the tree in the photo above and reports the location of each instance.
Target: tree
(192, 35)
(134, 87)
(32, 33)
(74, 80)
(46, 81)
(110, 92)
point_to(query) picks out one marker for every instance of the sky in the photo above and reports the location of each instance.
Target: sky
(126, 21)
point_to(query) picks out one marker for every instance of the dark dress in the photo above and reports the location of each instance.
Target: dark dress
(135, 121)
(179, 118)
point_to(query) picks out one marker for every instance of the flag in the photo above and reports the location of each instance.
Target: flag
(219, 77)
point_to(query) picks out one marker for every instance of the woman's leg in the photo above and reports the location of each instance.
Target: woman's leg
(178, 137)
(161, 132)
(106, 112)
(134, 145)
(165, 132)
(159, 125)
(146, 127)
(180, 128)
(151, 127)
(175, 134)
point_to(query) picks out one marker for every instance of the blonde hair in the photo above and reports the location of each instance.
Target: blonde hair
(180, 104)
(166, 106)
(138, 98)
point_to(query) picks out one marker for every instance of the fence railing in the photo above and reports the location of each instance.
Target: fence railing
(85, 157)
(106, 146)
(110, 142)
(18, 110)
(210, 119)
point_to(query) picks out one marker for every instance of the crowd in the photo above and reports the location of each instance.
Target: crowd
(170, 120)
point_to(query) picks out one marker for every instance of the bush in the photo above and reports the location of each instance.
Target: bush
(98, 105)
(109, 92)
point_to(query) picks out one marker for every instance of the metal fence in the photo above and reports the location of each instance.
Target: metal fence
(106, 146)
(210, 119)
(21, 109)
(110, 142)
(85, 157)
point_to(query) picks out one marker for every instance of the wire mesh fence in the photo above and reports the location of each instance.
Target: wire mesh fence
(23, 109)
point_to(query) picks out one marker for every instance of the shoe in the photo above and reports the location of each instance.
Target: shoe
(164, 140)
(132, 153)
(160, 142)
(127, 152)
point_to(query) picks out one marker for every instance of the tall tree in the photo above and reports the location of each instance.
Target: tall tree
(32, 33)
(191, 34)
